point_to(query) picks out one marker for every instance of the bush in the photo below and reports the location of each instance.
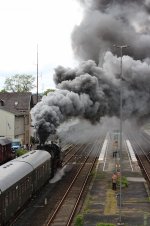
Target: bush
(124, 182)
(79, 220)
(20, 152)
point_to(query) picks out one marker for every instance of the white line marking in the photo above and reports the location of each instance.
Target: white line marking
(105, 158)
(132, 155)
(129, 157)
(102, 154)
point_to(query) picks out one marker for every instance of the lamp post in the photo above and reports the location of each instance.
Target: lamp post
(121, 47)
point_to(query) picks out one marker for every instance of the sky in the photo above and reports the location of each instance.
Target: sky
(24, 24)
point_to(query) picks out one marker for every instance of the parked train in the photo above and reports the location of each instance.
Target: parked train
(6, 152)
(20, 178)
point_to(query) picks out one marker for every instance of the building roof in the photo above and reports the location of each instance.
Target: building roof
(17, 103)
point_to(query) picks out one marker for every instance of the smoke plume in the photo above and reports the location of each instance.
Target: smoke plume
(108, 22)
(92, 90)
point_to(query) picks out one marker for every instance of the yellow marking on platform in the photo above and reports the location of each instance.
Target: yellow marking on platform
(111, 203)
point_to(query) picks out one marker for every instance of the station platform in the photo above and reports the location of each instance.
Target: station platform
(104, 205)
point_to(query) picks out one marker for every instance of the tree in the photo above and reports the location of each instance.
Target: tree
(48, 91)
(3, 91)
(19, 83)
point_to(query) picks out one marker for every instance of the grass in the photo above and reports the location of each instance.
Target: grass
(105, 224)
(87, 202)
(100, 176)
(79, 220)
(111, 203)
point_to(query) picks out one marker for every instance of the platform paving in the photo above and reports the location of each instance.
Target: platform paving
(103, 204)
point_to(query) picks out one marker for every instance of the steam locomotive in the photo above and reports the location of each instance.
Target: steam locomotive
(20, 178)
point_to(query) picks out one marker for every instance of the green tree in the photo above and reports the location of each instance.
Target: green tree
(48, 91)
(3, 91)
(19, 83)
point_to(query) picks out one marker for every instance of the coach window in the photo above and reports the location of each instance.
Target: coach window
(43, 169)
(13, 195)
(6, 200)
(45, 166)
(38, 174)
(21, 188)
(17, 191)
(10, 197)
(26, 184)
(40, 171)
(28, 180)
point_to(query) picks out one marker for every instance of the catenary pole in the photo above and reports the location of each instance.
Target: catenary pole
(121, 47)
(37, 75)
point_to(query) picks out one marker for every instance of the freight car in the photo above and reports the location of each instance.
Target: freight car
(21, 178)
(6, 152)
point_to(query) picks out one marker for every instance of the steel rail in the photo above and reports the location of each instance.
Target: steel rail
(143, 159)
(69, 220)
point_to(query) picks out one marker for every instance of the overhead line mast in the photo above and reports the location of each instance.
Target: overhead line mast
(37, 75)
(121, 47)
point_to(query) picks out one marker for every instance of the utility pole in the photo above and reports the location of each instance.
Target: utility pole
(37, 75)
(121, 47)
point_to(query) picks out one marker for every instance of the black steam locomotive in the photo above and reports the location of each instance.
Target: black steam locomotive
(23, 176)
(56, 155)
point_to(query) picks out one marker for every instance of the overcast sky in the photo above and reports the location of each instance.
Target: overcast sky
(26, 23)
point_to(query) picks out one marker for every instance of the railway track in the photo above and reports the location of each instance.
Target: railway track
(71, 154)
(47, 189)
(143, 158)
(66, 209)
(78, 161)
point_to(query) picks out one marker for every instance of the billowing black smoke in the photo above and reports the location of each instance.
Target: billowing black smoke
(108, 22)
(92, 90)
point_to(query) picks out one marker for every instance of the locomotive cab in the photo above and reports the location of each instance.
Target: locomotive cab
(56, 156)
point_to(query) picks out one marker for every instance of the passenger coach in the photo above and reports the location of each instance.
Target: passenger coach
(19, 179)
